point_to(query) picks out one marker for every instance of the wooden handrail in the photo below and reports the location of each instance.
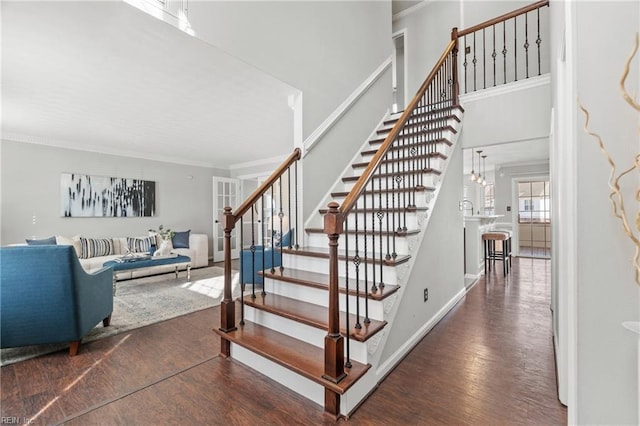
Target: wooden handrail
(246, 205)
(366, 176)
(504, 17)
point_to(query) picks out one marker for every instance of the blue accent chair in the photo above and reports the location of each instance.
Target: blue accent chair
(47, 297)
(251, 265)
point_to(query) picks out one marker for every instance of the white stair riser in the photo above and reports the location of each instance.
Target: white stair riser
(321, 266)
(401, 243)
(406, 153)
(371, 220)
(288, 378)
(312, 335)
(436, 162)
(321, 297)
(422, 199)
(427, 179)
(431, 135)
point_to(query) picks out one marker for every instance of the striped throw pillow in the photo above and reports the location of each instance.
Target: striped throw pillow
(141, 245)
(94, 247)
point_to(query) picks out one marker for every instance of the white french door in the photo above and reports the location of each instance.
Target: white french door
(226, 192)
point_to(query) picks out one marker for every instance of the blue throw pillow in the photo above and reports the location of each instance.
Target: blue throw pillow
(43, 242)
(181, 239)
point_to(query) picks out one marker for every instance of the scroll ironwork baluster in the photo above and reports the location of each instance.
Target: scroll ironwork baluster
(526, 43)
(504, 50)
(389, 213)
(373, 235)
(464, 64)
(475, 60)
(252, 248)
(356, 263)
(538, 42)
(494, 54)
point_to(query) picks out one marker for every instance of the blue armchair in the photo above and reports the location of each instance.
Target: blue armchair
(251, 264)
(46, 296)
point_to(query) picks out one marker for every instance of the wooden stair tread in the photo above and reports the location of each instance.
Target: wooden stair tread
(390, 210)
(440, 110)
(342, 194)
(321, 281)
(397, 160)
(313, 315)
(370, 232)
(323, 253)
(388, 123)
(381, 138)
(296, 355)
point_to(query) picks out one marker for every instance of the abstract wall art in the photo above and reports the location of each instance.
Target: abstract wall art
(101, 196)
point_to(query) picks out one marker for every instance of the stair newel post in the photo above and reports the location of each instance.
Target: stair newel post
(454, 71)
(227, 306)
(334, 343)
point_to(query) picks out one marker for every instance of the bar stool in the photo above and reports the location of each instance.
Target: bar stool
(491, 255)
(507, 243)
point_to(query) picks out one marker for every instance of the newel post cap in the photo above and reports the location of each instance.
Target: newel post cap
(333, 220)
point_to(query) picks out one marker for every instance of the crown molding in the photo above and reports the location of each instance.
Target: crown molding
(35, 140)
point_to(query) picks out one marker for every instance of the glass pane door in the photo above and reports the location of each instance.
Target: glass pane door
(225, 193)
(534, 219)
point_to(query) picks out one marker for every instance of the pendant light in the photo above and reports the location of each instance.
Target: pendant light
(473, 174)
(479, 179)
(484, 166)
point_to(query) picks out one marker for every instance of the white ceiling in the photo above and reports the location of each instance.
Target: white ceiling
(508, 154)
(106, 77)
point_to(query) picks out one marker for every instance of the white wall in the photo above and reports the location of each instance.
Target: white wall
(596, 290)
(30, 178)
(439, 263)
(325, 49)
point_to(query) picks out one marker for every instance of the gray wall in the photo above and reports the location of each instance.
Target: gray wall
(328, 158)
(607, 354)
(438, 264)
(324, 48)
(30, 180)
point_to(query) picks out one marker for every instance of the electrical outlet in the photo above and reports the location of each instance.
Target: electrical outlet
(426, 294)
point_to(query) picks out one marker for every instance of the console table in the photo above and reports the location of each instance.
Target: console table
(148, 262)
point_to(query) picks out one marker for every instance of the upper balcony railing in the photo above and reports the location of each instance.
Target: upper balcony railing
(509, 48)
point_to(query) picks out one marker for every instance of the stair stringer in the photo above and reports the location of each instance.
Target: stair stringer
(381, 368)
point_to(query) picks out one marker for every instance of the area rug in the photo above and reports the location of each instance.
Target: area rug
(145, 301)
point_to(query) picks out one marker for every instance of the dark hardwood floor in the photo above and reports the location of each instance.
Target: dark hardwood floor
(489, 361)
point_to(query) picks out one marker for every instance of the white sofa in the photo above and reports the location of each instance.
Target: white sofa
(198, 251)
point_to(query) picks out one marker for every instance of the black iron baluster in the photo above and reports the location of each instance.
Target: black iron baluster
(388, 255)
(538, 41)
(464, 64)
(515, 49)
(356, 263)
(494, 54)
(297, 233)
(264, 236)
(395, 184)
(380, 218)
(280, 217)
(373, 235)
(526, 43)
(346, 286)
(252, 248)
(241, 277)
(289, 207)
(504, 50)
(271, 212)
(366, 261)
(404, 173)
(484, 59)
(475, 60)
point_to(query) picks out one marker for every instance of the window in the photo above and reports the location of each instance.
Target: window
(489, 199)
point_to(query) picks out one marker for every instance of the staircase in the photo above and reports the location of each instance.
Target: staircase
(317, 312)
